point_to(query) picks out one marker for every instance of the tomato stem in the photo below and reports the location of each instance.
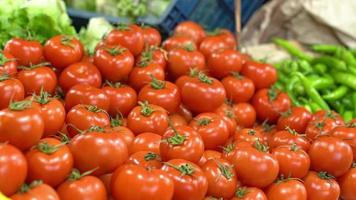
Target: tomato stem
(177, 139)
(237, 75)
(204, 78)
(286, 113)
(117, 121)
(26, 187)
(251, 132)
(66, 40)
(46, 148)
(294, 147)
(226, 170)
(114, 51)
(189, 47)
(185, 169)
(76, 175)
(325, 175)
(229, 148)
(43, 98)
(204, 121)
(123, 27)
(31, 67)
(114, 85)
(4, 60)
(230, 114)
(94, 109)
(157, 84)
(241, 192)
(20, 105)
(4, 77)
(96, 129)
(272, 94)
(146, 57)
(267, 127)
(151, 156)
(63, 138)
(291, 131)
(261, 147)
(146, 110)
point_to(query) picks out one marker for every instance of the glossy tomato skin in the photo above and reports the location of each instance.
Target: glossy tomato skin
(318, 127)
(326, 151)
(269, 103)
(146, 142)
(145, 159)
(248, 135)
(185, 112)
(8, 64)
(10, 90)
(347, 184)
(41, 191)
(154, 55)
(288, 137)
(13, 169)
(213, 43)
(114, 62)
(249, 193)
(62, 51)
(177, 119)
(33, 79)
(26, 52)
(129, 36)
(321, 187)
(209, 155)
(151, 36)
(178, 41)
(238, 88)
(80, 73)
(263, 75)
(186, 186)
(224, 62)
(296, 118)
(52, 167)
(142, 75)
(245, 115)
(190, 29)
(227, 113)
(191, 148)
(125, 133)
(287, 189)
(348, 134)
(127, 182)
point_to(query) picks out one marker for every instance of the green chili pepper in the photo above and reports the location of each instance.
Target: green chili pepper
(347, 101)
(307, 106)
(347, 115)
(352, 70)
(321, 82)
(289, 89)
(336, 94)
(337, 105)
(325, 48)
(320, 68)
(331, 62)
(305, 67)
(346, 56)
(345, 79)
(279, 86)
(314, 107)
(354, 102)
(289, 67)
(291, 49)
(282, 78)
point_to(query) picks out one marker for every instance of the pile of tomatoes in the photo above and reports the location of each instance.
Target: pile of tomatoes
(189, 119)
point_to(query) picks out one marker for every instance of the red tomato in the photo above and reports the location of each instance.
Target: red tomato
(347, 183)
(49, 161)
(26, 52)
(245, 114)
(151, 36)
(133, 182)
(189, 180)
(223, 63)
(293, 161)
(106, 179)
(36, 190)
(181, 142)
(8, 64)
(129, 36)
(249, 193)
(63, 50)
(238, 88)
(227, 113)
(185, 112)
(248, 135)
(288, 137)
(10, 90)
(326, 151)
(333, 116)
(215, 42)
(319, 127)
(79, 73)
(208, 155)
(142, 75)
(191, 30)
(267, 130)
(177, 120)
(228, 37)
(296, 118)
(263, 75)
(125, 133)
(269, 103)
(178, 41)
(321, 186)
(154, 55)
(221, 178)
(348, 134)
(24, 125)
(146, 142)
(13, 169)
(287, 189)
(146, 159)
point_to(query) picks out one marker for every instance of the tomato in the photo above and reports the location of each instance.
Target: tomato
(106, 179)
(267, 130)
(10, 90)
(296, 118)
(161, 93)
(269, 103)
(227, 113)
(26, 52)
(86, 94)
(245, 114)
(293, 161)
(347, 183)
(213, 43)
(13, 169)
(185, 112)
(326, 151)
(146, 142)
(36, 190)
(127, 182)
(321, 186)
(201, 93)
(80, 73)
(333, 116)
(348, 134)
(151, 36)
(248, 135)
(142, 74)
(49, 161)
(63, 50)
(263, 75)
(8, 64)
(82, 186)
(221, 178)
(212, 129)
(146, 159)
(224, 62)
(182, 60)
(287, 189)
(249, 193)
(189, 180)
(191, 30)
(208, 155)
(98, 149)
(288, 137)
(318, 127)
(238, 88)
(125, 133)
(181, 142)
(24, 125)
(154, 55)
(177, 120)
(178, 41)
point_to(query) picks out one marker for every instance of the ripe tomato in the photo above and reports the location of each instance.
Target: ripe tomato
(178, 41)
(106, 179)
(125, 133)
(185, 112)
(81, 117)
(227, 113)
(263, 75)
(13, 169)
(228, 37)
(49, 161)
(152, 54)
(8, 64)
(151, 36)
(181, 142)
(212, 129)
(267, 130)
(86, 94)
(347, 183)
(293, 161)
(238, 88)
(36, 190)
(296, 118)
(122, 98)
(189, 180)
(146, 159)
(209, 155)
(79, 73)
(245, 114)
(114, 62)
(177, 120)
(10, 90)
(348, 134)
(129, 36)
(146, 142)
(127, 182)
(26, 52)
(249, 193)
(221, 178)
(248, 135)
(287, 189)
(191, 30)
(22, 125)
(269, 103)
(321, 186)
(201, 93)
(216, 42)
(161, 93)
(142, 74)
(82, 186)
(333, 116)
(182, 60)
(288, 137)
(326, 151)
(224, 62)
(63, 50)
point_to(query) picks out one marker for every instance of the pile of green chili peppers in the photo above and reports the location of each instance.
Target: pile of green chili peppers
(326, 81)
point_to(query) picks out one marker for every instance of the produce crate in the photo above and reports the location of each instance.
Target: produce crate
(210, 13)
